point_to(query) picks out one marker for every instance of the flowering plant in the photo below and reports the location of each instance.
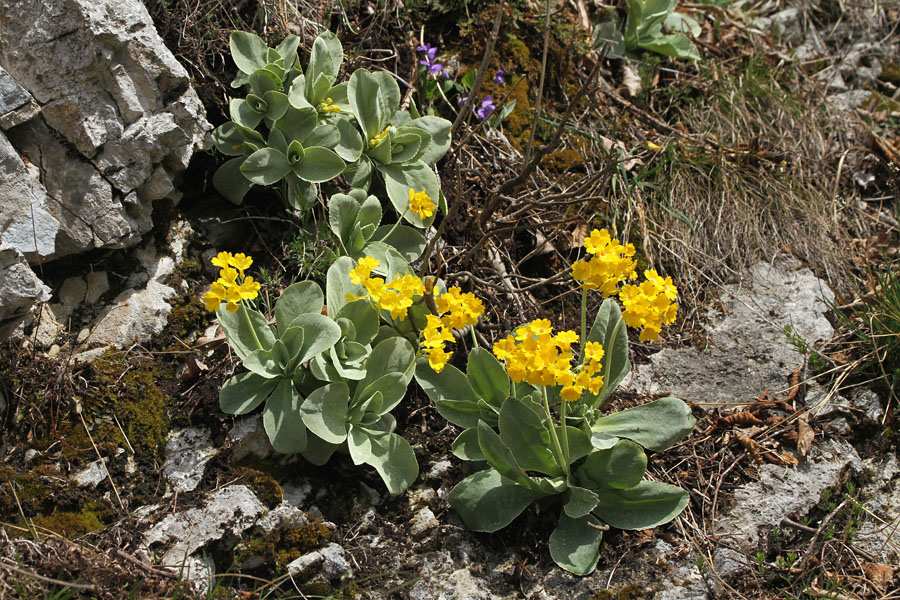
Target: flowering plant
(326, 379)
(535, 420)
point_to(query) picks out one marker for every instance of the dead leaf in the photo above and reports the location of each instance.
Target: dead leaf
(580, 232)
(632, 81)
(193, 368)
(880, 576)
(742, 418)
(749, 444)
(805, 436)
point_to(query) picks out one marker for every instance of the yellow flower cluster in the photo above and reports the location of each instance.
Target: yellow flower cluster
(327, 106)
(377, 139)
(420, 203)
(538, 357)
(609, 265)
(650, 305)
(455, 308)
(395, 297)
(232, 286)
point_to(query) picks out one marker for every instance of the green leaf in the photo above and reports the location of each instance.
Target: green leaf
(231, 182)
(388, 95)
(266, 166)
(277, 140)
(299, 298)
(602, 441)
(338, 284)
(439, 129)
(363, 96)
(616, 349)
(408, 144)
(486, 501)
(297, 123)
(301, 194)
(359, 444)
(278, 104)
(579, 502)
(648, 504)
(317, 450)
(450, 391)
(243, 113)
(399, 179)
(466, 447)
(248, 51)
(324, 412)
(393, 355)
(620, 467)
(575, 545)
(342, 211)
(487, 377)
(369, 213)
(319, 164)
(281, 419)
(655, 425)
(393, 458)
(325, 58)
(364, 318)
(579, 442)
(319, 334)
(262, 362)
(244, 392)
(360, 174)
(229, 141)
(325, 135)
(243, 335)
(391, 386)
(406, 240)
(288, 50)
(350, 146)
(499, 456)
(525, 434)
(676, 44)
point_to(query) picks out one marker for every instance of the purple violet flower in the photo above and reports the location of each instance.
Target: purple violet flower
(430, 52)
(499, 77)
(486, 109)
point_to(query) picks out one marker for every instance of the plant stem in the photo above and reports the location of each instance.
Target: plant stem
(556, 449)
(250, 325)
(397, 224)
(583, 322)
(606, 366)
(565, 434)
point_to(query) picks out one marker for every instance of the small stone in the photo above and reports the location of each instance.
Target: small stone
(54, 350)
(97, 285)
(89, 356)
(29, 455)
(423, 522)
(187, 452)
(248, 439)
(91, 475)
(330, 561)
(83, 335)
(72, 293)
(868, 402)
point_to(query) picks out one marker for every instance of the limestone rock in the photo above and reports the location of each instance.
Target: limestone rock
(118, 121)
(330, 561)
(226, 514)
(187, 452)
(749, 350)
(20, 289)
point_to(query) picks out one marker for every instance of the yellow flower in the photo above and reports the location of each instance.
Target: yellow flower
(233, 296)
(248, 289)
(377, 139)
(221, 259)
(228, 277)
(437, 358)
(213, 298)
(459, 309)
(240, 262)
(420, 203)
(610, 264)
(363, 269)
(593, 351)
(327, 106)
(571, 393)
(650, 305)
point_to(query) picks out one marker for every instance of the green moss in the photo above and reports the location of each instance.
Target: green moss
(281, 547)
(626, 592)
(263, 485)
(890, 71)
(28, 488)
(128, 392)
(70, 524)
(563, 161)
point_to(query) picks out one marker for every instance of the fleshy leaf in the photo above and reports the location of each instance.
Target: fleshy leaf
(244, 392)
(648, 504)
(655, 425)
(299, 298)
(486, 501)
(325, 412)
(575, 545)
(487, 377)
(281, 419)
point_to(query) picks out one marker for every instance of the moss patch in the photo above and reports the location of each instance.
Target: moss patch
(263, 485)
(284, 546)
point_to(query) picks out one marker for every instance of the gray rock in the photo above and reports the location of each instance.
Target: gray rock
(868, 402)
(748, 351)
(848, 101)
(187, 452)
(16, 104)
(118, 119)
(881, 500)
(90, 476)
(26, 221)
(248, 439)
(423, 522)
(135, 314)
(226, 514)
(48, 327)
(97, 285)
(72, 293)
(780, 492)
(330, 561)
(20, 289)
